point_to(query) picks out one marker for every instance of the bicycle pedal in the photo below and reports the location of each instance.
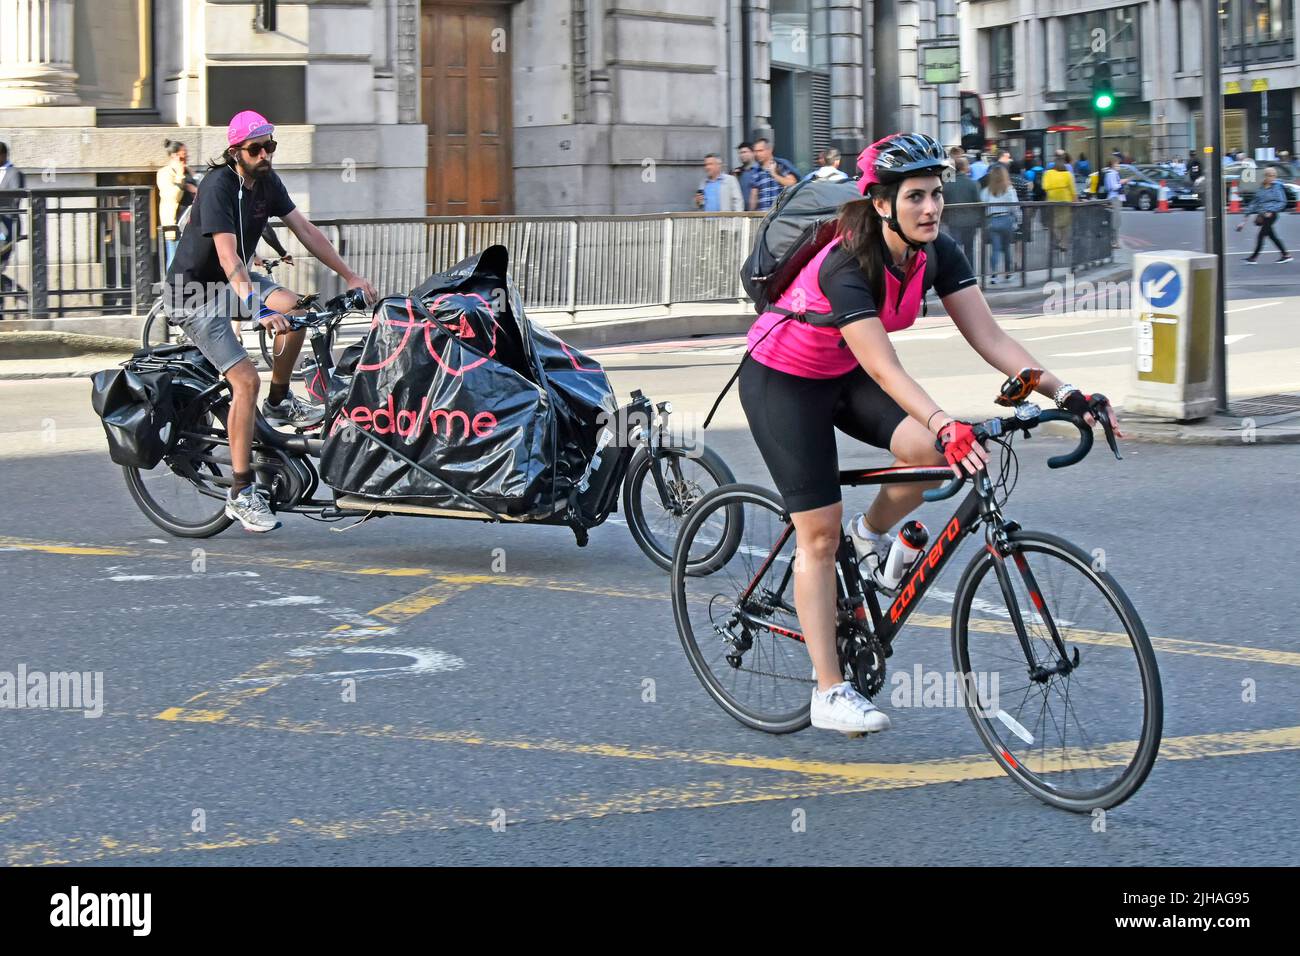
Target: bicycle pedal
(855, 734)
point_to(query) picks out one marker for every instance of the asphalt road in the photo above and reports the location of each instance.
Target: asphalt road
(551, 695)
(554, 694)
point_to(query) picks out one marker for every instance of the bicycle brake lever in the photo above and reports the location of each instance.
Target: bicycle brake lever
(1101, 413)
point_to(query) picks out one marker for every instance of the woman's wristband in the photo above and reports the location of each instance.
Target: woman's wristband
(937, 411)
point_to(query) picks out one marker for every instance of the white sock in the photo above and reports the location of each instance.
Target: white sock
(864, 531)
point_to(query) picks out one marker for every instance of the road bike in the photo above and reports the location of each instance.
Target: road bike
(1077, 714)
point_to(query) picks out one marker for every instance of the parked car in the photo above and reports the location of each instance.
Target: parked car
(1142, 190)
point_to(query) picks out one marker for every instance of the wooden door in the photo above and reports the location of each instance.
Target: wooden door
(465, 102)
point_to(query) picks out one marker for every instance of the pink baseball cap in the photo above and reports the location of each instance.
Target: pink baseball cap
(246, 125)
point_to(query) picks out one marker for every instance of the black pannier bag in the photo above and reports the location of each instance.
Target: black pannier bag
(139, 417)
(454, 378)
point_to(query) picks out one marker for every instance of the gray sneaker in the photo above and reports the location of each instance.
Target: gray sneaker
(293, 411)
(251, 510)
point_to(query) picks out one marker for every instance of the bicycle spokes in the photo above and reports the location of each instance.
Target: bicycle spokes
(1067, 687)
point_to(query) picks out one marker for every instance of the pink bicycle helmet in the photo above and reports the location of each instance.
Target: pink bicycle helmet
(890, 160)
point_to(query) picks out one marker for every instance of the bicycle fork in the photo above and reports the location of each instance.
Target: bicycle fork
(997, 537)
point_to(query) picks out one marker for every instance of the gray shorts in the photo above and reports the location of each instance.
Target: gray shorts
(210, 326)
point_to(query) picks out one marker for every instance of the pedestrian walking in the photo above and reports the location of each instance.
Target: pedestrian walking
(11, 177)
(745, 170)
(176, 191)
(1002, 210)
(1112, 185)
(1269, 200)
(773, 175)
(830, 167)
(962, 214)
(1058, 187)
(718, 191)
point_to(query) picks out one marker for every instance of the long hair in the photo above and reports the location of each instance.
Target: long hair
(999, 181)
(221, 159)
(861, 233)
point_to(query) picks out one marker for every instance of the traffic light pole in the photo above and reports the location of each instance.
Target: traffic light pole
(1101, 147)
(1211, 57)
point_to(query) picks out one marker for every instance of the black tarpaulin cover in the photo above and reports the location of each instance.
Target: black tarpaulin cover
(454, 377)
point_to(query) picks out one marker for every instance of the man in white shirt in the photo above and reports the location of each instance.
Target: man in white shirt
(831, 169)
(10, 178)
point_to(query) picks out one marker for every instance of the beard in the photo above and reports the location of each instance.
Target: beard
(257, 170)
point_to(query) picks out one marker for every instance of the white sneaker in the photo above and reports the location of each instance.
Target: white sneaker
(842, 708)
(251, 510)
(291, 410)
(871, 553)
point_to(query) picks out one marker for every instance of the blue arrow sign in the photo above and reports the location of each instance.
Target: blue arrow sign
(1160, 285)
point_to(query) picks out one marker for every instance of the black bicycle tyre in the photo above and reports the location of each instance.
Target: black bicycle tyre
(728, 494)
(168, 522)
(638, 472)
(1153, 719)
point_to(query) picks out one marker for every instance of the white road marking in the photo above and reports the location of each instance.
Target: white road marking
(1247, 308)
(425, 661)
(183, 577)
(1065, 335)
(290, 600)
(1229, 339)
(1127, 348)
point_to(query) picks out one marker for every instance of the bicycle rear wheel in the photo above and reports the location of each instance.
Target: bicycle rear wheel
(1079, 739)
(740, 647)
(185, 493)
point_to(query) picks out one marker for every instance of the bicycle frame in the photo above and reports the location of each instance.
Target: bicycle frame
(863, 606)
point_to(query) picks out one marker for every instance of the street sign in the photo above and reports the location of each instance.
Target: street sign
(940, 61)
(1160, 285)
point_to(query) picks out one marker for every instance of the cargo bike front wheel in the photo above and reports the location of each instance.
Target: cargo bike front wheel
(661, 487)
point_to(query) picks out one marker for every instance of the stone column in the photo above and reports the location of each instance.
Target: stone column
(36, 54)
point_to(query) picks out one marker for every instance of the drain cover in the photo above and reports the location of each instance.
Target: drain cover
(1264, 405)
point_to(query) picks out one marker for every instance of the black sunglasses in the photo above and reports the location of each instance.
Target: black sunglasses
(255, 149)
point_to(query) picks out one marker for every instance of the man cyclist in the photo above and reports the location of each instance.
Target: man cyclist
(807, 380)
(210, 285)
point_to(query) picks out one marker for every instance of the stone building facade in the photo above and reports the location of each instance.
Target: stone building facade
(449, 107)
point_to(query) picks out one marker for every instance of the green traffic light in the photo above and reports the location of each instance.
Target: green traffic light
(1103, 101)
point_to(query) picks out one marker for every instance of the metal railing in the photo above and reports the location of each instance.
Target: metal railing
(565, 264)
(1041, 239)
(90, 252)
(73, 252)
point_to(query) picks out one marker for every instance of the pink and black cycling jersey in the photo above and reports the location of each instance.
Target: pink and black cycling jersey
(833, 284)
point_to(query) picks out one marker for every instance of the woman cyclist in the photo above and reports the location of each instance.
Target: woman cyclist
(807, 379)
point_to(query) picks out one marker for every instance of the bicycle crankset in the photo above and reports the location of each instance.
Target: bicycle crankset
(866, 661)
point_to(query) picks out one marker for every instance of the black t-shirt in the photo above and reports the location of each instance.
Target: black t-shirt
(845, 285)
(223, 205)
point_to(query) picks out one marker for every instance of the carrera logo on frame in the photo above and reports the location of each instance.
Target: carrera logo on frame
(388, 420)
(923, 566)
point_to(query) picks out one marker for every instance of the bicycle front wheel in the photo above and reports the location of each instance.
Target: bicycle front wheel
(733, 600)
(1079, 729)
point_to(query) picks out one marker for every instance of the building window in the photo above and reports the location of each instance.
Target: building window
(1002, 58)
(800, 78)
(1257, 31)
(1178, 34)
(1118, 32)
(113, 54)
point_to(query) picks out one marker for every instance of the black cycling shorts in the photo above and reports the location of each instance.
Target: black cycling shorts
(793, 420)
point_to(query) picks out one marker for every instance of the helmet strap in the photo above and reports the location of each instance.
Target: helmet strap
(894, 225)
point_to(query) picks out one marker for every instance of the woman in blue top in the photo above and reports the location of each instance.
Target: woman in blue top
(1269, 200)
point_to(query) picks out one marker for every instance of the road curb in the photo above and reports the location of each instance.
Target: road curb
(1180, 433)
